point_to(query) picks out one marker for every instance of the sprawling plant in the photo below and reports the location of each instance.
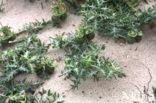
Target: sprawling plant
(82, 57)
(58, 12)
(147, 16)
(15, 91)
(6, 35)
(118, 18)
(24, 92)
(28, 57)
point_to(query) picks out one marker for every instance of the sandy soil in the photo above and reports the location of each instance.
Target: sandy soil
(137, 60)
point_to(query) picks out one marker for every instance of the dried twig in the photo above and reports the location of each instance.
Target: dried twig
(42, 5)
(146, 88)
(138, 90)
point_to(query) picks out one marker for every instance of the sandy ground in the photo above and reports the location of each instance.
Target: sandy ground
(137, 60)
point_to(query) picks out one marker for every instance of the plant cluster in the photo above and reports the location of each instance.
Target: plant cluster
(18, 93)
(147, 16)
(6, 35)
(82, 57)
(59, 12)
(119, 19)
(26, 57)
(15, 92)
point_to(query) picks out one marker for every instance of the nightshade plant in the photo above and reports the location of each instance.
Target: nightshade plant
(58, 12)
(15, 91)
(147, 16)
(6, 35)
(82, 57)
(18, 93)
(26, 57)
(117, 18)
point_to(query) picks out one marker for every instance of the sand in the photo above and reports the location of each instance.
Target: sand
(138, 60)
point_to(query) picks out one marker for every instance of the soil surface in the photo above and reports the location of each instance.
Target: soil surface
(138, 60)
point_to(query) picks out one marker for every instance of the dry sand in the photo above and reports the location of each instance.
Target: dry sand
(137, 59)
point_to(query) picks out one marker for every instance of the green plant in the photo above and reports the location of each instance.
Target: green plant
(154, 91)
(83, 34)
(73, 3)
(16, 90)
(82, 57)
(118, 18)
(58, 12)
(50, 97)
(1, 6)
(147, 16)
(6, 35)
(24, 92)
(28, 57)
(34, 27)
